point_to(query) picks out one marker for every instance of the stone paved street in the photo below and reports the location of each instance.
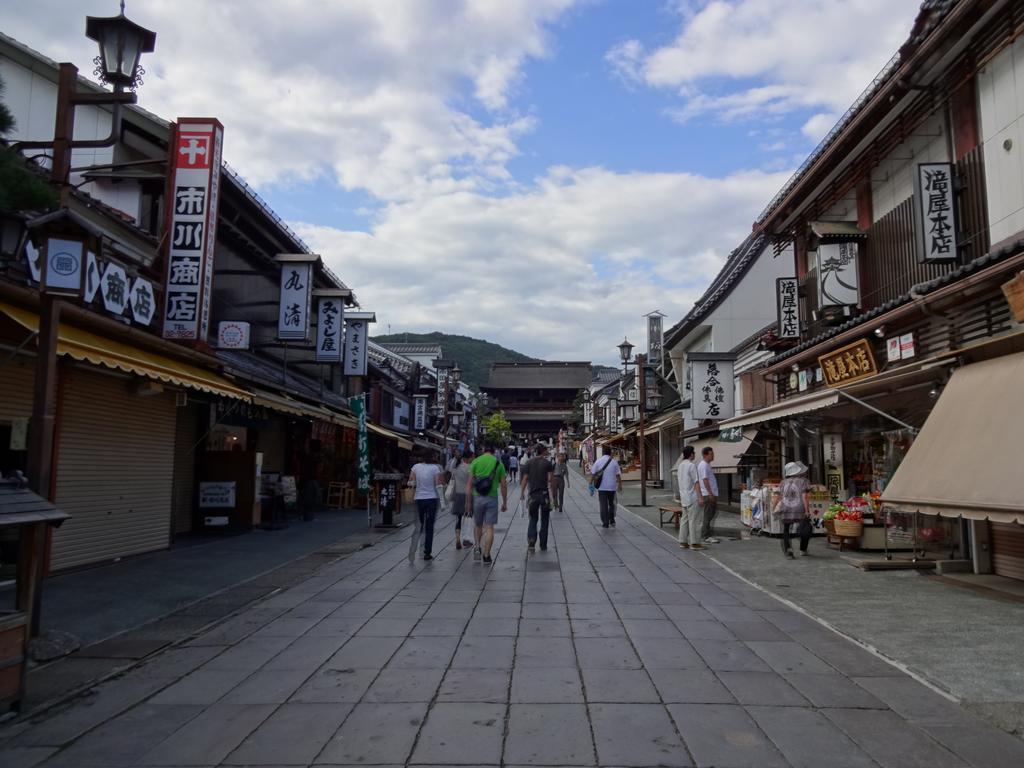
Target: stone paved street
(613, 648)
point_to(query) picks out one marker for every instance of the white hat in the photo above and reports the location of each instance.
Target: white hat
(794, 468)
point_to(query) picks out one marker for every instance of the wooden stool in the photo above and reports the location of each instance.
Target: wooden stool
(336, 494)
(674, 510)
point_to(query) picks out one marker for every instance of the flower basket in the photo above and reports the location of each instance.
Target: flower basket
(848, 528)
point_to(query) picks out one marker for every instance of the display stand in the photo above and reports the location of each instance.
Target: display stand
(387, 491)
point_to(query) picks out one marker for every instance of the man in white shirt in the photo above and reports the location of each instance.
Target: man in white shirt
(708, 492)
(691, 517)
(427, 478)
(611, 481)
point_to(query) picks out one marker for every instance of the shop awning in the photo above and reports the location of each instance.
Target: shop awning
(790, 407)
(964, 461)
(403, 442)
(86, 346)
(666, 421)
(286, 404)
(618, 437)
(426, 444)
(727, 453)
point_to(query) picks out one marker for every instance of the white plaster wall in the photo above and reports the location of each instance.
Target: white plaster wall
(1001, 107)
(892, 181)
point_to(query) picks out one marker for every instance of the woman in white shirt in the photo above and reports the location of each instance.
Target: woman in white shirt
(428, 479)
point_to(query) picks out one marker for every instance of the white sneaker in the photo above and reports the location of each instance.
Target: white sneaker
(477, 554)
(711, 540)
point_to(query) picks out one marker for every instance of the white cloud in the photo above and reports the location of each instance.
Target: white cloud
(559, 270)
(736, 59)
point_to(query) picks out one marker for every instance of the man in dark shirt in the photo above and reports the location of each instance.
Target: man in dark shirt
(539, 481)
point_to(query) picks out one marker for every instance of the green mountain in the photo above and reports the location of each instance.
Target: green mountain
(474, 356)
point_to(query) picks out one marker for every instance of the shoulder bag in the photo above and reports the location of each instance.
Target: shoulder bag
(482, 485)
(597, 476)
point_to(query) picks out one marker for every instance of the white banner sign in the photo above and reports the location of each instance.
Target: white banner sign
(296, 293)
(936, 216)
(400, 413)
(218, 495)
(356, 331)
(788, 305)
(832, 447)
(233, 334)
(192, 228)
(656, 342)
(712, 386)
(143, 301)
(330, 311)
(838, 283)
(64, 264)
(419, 413)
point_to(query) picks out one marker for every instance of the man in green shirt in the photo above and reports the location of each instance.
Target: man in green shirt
(486, 470)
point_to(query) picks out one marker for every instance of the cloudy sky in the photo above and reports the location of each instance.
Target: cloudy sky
(539, 173)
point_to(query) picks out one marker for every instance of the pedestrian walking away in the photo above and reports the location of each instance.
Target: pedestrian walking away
(691, 517)
(486, 479)
(513, 467)
(793, 506)
(463, 517)
(561, 480)
(606, 476)
(539, 482)
(428, 479)
(708, 494)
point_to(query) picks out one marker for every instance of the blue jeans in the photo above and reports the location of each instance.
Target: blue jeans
(427, 510)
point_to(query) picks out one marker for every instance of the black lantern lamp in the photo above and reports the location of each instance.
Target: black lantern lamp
(653, 399)
(122, 43)
(456, 374)
(625, 350)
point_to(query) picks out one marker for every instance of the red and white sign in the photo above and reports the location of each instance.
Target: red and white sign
(233, 334)
(193, 191)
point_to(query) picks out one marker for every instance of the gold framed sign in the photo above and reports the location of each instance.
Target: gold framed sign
(853, 362)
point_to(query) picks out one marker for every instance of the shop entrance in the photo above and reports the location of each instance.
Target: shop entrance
(1007, 540)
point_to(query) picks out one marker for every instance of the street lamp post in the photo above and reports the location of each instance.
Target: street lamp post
(640, 361)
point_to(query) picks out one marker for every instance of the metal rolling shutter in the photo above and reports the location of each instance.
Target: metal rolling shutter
(16, 379)
(1008, 549)
(114, 470)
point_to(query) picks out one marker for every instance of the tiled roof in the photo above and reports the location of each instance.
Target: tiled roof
(414, 349)
(542, 375)
(384, 356)
(992, 257)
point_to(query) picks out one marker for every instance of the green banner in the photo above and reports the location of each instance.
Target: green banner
(731, 435)
(358, 406)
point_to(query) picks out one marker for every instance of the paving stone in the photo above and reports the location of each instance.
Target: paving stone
(915, 701)
(293, 735)
(545, 652)
(981, 746)
(485, 653)
(440, 610)
(24, 757)
(424, 652)
(375, 733)
(342, 627)
(402, 685)
(732, 613)
(209, 738)
(545, 611)
(549, 734)
(765, 688)
(397, 610)
(488, 627)
(664, 628)
(462, 734)
(498, 610)
(365, 652)
(204, 686)
(545, 685)
(357, 610)
(724, 735)
(335, 685)
(834, 690)
(306, 653)
(756, 630)
(687, 613)
(636, 735)
(891, 741)
(287, 627)
(852, 660)
(266, 686)
(440, 627)
(544, 627)
(708, 595)
(703, 630)
(606, 653)
(120, 742)
(251, 653)
(804, 737)
(377, 627)
(599, 610)
(788, 657)
(662, 653)
(619, 686)
(728, 656)
(690, 686)
(467, 685)
(598, 628)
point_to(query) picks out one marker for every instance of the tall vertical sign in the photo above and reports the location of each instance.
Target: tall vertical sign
(193, 195)
(656, 341)
(295, 296)
(358, 406)
(788, 305)
(713, 388)
(330, 311)
(832, 447)
(419, 413)
(935, 211)
(357, 329)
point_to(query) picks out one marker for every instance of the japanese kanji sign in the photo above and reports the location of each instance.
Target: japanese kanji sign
(356, 331)
(788, 303)
(142, 301)
(832, 447)
(713, 391)
(193, 192)
(838, 284)
(114, 288)
(329, 336)
(65, 262)
(92, 277)
(419, 413)
(656, 341)
(296, 295)
(850, 363)
(358, 406)
(935, 211)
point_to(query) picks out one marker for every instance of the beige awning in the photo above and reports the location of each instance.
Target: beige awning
(965, 460)
(667, 421)
(788, 407)
(727, 454)
(836, 229)
(403, 442)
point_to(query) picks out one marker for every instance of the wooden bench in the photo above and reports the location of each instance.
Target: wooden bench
(674, 511)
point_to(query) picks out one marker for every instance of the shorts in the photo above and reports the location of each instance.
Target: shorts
(485, 510)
